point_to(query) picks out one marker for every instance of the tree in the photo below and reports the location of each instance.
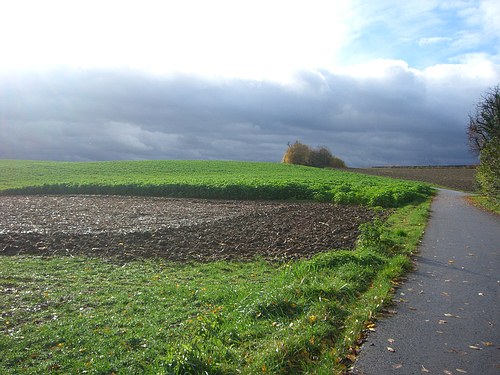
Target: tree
(485, 124)
(299, 153)
(484, 139)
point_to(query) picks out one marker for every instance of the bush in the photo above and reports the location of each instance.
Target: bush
(488, 172)
(301, 154)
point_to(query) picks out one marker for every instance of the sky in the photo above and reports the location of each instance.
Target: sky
(384, 82)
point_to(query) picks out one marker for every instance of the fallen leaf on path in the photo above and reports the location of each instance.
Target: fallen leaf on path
(480, 294)
(487, 343)
(447, 372)
(423, 369)
(475, 347)
(390, 349)
(441, 321)
(461, 370)
(351, 357)
(391, 341)
(451, 261)
(397, 366)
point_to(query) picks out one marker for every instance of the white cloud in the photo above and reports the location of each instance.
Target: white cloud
(433, 40)
(475, 67)
(258, 39)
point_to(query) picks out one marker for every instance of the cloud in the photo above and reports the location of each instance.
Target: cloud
(422, 33)
(433, 40)
(256, 39)
(391, 115)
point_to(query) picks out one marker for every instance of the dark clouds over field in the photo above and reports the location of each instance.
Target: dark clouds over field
(378, 82)
(401, 116)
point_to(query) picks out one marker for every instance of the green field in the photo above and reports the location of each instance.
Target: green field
(206, 179)
(87, 315)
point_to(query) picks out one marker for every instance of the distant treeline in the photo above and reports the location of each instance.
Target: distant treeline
(427, 166)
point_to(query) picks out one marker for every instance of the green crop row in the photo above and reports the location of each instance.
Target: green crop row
(207, 179)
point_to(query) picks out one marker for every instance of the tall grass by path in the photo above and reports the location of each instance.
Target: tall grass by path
(206, 179)
(82, 315)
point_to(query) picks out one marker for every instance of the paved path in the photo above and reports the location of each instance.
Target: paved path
(447, 317)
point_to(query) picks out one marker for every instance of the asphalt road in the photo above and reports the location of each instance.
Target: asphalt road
(447, 314)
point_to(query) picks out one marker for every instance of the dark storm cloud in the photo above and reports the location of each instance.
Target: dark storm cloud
(398, 119)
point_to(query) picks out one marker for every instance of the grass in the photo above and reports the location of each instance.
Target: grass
(207, 179)
(85, 315)
(485, 203)
(75, 315)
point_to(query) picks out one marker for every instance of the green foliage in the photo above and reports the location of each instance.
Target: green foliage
(207, 179)
(488, 172)
(301, 154)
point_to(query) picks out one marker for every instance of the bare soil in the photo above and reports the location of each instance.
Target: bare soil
(458, 178)
(175, 229)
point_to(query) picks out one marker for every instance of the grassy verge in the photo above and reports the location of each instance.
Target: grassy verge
(485, 203)
(81, 315)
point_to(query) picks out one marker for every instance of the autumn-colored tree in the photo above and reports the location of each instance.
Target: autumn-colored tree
(299, 153)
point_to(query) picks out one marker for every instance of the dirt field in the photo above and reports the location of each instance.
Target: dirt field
(459, 178)
(174, 229)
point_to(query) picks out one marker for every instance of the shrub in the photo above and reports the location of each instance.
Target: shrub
(488, 172)
(301, 154)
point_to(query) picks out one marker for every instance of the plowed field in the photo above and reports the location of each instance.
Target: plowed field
(459, 178)
(175, 229)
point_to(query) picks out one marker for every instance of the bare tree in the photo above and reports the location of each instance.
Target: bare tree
(484, 139)
(485, 124)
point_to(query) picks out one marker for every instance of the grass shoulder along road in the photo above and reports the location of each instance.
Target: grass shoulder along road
(76, 315)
